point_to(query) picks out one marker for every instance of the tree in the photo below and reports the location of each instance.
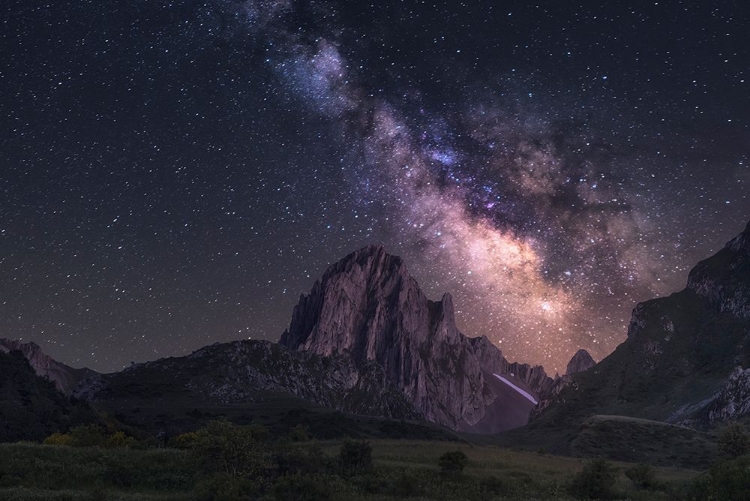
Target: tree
(595, 481)
(734, 441)
(233, 450)
(355, 456)
(642, 475)
(452, 462)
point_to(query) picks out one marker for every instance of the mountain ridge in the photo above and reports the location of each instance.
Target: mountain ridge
(685, 358)
(63, 376)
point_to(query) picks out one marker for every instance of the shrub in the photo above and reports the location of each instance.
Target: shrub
(301, 488)
(727, 480)
(495, 486)
(355, 456)
(453, 462)
(119, 439)
(224, 487)
(299, 433)
(10, 481)
(642, 476)
(596, 481)
(308, 460)
(88, 435)
(235, 450)
(184, 441)
(406, 485)
(59, 439)
(734, 441)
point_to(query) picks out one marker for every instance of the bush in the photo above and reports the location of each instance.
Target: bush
(495, 486)
(727, 480)
(59, 439)
(734, 441)
(299, 433)
(184, 441)
(119, 439)
(406, 485)
(355, 456)
(308, 460)
(453, 462)
(235, 450)
(301, 488)
(88, 435)
(224, 487)
(596, 481)
(10, 481)
(642, 476)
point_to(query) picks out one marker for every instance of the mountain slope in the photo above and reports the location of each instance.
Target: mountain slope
(368, 308)
(684, 356)
(243, 372)
(31, 407)
(64, 377)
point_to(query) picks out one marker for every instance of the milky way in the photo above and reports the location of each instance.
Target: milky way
(179, 173)
(526, 219)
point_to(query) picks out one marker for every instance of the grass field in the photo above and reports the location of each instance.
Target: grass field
(402, 469)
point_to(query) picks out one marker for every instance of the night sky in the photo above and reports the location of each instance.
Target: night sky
(176, 173)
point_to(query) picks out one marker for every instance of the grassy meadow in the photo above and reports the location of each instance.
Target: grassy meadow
(405, 469)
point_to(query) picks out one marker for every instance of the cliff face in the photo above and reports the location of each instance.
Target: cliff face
(724, 279)
(368, 308)
(64, 377)
(686, 355)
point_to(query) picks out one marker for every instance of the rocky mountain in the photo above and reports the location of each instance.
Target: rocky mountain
(244, 372)
(580, 362)
(369, 309)
(64, 377)
(686, 357)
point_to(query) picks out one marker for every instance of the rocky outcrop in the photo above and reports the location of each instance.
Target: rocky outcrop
(724, 279)
(368, 308)
(581, 361)
(64, 377)
(730, 402)
(246, 371)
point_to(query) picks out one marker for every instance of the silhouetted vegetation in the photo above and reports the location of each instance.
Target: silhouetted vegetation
(452, 462)
(728, 480)
(355, 456)
(228, 462)
(643, 476)
(596, 481)
(734, 441)
(31, 407)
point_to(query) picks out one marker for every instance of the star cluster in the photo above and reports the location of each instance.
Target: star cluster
(176, 173)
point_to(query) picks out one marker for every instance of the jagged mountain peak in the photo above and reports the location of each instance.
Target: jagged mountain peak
(346, 309)
(373, 260)
(369, 308)
(580, 362)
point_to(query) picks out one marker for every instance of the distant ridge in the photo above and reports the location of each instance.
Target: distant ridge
(65, 378)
